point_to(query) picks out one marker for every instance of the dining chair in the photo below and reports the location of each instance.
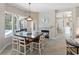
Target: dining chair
(23, 29)
(24, 45)
(15, 44)
(72, 48)
(39, 45)
(42, 40)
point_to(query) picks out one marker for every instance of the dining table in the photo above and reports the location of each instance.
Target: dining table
(29, 37)
(34, 36)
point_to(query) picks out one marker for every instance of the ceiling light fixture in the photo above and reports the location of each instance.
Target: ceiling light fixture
(29, 18)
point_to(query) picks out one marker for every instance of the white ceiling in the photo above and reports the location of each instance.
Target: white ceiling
(43, 7)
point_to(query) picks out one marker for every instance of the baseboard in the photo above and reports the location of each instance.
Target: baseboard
(4, 47)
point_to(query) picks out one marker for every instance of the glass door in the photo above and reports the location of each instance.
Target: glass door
(64, 23)
(59, 22)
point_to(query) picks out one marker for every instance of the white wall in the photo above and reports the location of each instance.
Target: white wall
(76, 21)
(77, 16)
(52, 25)
(2, 22)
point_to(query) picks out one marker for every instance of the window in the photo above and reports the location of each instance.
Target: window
(19, 23)
(8, 22)
(14, 23)
(22, 23)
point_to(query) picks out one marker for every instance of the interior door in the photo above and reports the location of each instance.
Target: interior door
(64, 23)
(59, 22)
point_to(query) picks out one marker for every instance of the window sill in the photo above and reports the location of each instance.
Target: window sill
(8, 33)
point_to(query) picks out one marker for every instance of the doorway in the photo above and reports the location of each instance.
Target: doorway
(64, 23)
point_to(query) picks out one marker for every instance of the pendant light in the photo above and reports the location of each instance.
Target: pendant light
(29, 18)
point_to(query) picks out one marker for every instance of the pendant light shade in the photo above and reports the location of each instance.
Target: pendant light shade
(29, 18)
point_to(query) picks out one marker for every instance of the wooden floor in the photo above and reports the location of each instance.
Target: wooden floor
(53, 47)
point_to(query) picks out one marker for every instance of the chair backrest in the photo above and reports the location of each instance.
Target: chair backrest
(15, 43)
(14, 39)
(21, 39)
(42, 38)
(23, 30)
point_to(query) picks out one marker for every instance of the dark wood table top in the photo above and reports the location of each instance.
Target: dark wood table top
(31, 35)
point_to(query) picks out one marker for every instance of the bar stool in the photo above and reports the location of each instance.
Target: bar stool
(42, 38)
(15, 44)
(24, 45)
(39, 44)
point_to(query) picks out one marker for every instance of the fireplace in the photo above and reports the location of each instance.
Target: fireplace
(46, 32)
